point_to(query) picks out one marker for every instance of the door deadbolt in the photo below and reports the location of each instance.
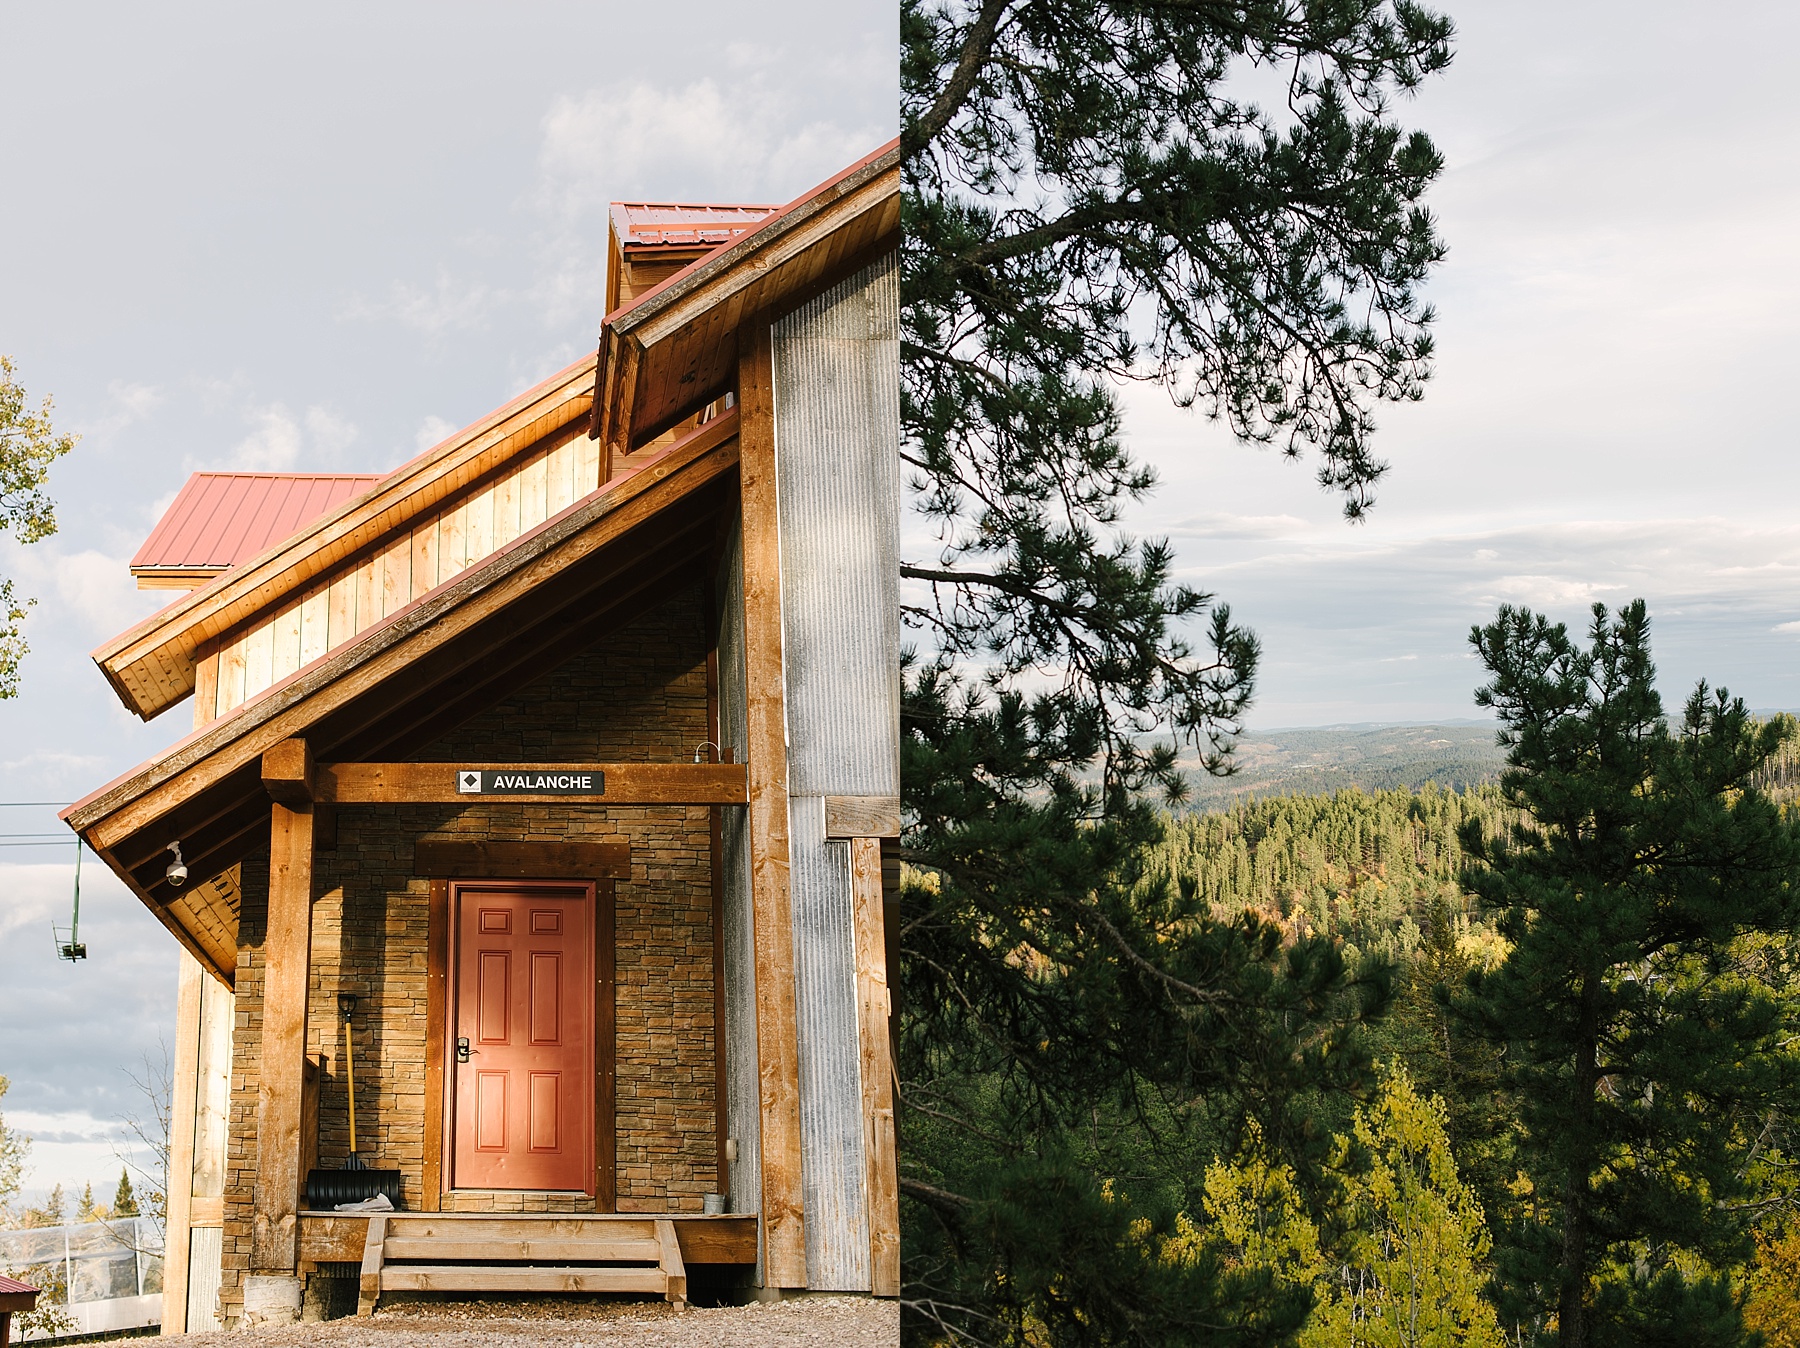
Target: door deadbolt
(463, 1050)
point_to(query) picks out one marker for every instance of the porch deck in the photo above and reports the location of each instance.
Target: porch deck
(524, 1252)
(338, 1237)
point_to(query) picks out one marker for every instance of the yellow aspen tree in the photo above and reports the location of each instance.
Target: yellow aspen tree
(1414, 1271)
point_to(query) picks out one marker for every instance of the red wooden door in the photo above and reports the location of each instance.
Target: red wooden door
(523, 1037)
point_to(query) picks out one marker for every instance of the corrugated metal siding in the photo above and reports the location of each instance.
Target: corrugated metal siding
(833, 1173)
(743, 1094)
(205, 1259)
(837, 436)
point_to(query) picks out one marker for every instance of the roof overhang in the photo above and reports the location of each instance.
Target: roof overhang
(152, 666)
(673, 349)
(404, 683)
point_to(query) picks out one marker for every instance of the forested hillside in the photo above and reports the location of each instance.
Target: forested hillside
(1381, 872)
(1320, 760)
(1367, 866)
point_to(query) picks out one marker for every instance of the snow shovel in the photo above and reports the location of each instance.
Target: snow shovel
(355, 1182)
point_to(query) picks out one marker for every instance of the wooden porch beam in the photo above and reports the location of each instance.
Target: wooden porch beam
(620, 783)
(286, 968)
(287, 772)
(777, 1018)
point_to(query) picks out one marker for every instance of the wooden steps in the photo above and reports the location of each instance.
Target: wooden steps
(469, 1252)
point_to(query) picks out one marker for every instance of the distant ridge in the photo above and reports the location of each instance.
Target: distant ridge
(1388, 756)
(1318, 760)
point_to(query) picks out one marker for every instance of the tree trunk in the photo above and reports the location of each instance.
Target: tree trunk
(1571, 1302)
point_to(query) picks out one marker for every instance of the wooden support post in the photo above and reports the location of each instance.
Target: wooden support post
(437, 1011)
(184, 1104)
(777, 1022)
(287, 955)
(872, 1013)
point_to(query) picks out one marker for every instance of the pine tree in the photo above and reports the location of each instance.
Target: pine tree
(1087, 199)
(1643, 1050)
(84, 1210)
(124, 1200)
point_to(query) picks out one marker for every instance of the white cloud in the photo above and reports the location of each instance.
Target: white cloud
(445, 307)
(1786, 627)
(432, 431)
(281, 442)
(667, 143)
(274, 446)
(1550, 592)
(86, 590)
(1221, 524)
(126, 403)
(331, 434)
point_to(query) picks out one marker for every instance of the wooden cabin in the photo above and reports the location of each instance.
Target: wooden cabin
(562, 759)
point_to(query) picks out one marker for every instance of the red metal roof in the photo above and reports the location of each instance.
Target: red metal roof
(771, 214)
(659, 224)
(221, 519)
(13, 1287)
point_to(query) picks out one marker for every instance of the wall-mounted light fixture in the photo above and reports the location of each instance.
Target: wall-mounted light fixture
(700, 753)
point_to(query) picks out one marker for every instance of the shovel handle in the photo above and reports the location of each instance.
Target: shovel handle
(350, 1081)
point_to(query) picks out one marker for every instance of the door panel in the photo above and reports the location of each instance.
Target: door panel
(546, 1096)
(490, 1111)
(523, 1103)
(546, 998)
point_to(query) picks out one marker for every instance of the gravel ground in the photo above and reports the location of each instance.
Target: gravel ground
(804, 1322)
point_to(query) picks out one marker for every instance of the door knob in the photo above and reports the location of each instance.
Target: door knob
(463, 1050)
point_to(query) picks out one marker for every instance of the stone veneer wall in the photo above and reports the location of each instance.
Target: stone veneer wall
(639, 695)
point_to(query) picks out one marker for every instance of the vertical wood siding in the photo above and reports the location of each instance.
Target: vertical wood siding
(375, 585)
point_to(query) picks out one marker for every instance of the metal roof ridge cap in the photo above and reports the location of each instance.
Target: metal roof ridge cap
(412, 469)
(766, 231)
(593, 507)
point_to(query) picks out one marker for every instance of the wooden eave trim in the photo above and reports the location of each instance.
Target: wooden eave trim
(191, 943)
(705, 288)
(293, 705)
(884, 164)
(627, 335)
(409, 492)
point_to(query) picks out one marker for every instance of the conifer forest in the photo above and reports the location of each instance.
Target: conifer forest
(1505, 1051)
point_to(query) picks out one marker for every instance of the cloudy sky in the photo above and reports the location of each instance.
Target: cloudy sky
(320, 237)
(312, 237)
